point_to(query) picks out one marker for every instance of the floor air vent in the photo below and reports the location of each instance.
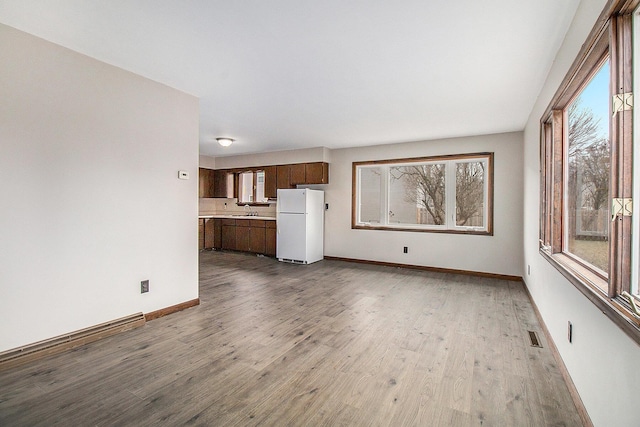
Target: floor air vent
(533, 337)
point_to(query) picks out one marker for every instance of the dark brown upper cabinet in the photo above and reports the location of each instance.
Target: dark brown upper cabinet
(297, 174)
(316, 173)
(205, 183)
(283, 180)
(288, 176)
(223, 184)
(215, 183)
(270, 182)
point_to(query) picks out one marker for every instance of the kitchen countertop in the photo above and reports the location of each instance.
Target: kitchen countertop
(238, 216)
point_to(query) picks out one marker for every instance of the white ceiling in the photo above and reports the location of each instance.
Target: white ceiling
(284, 74)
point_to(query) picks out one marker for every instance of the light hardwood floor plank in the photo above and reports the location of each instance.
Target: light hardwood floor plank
(332, 343)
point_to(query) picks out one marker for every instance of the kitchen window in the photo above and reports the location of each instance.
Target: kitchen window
(449, 194)
(586, 173)
(251, 188)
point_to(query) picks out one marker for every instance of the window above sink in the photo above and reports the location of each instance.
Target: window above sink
(251, 188)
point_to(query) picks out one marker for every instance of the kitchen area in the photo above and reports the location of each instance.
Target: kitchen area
(239, 210)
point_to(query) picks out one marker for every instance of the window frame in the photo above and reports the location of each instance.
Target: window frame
(610, 37)
(449, 226)
(254, 188)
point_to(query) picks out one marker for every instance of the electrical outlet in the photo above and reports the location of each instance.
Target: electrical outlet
(405, 250)
(144, 286)
(570, 332)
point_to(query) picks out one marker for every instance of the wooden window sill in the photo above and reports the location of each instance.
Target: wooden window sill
(423, 230)
(252, 204)
(590, 285)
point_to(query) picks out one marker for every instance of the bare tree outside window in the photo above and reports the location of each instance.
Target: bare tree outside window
(595, 161)
(424, 188)
(469, 194)
(589, 152)
(588, 161)
(583, 127)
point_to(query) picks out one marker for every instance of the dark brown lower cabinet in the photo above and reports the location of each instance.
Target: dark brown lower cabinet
(209, 233)
(247, 235)
(217, 233)
(270, 238)
(256, 239)
(228, 234)
(243, 231)
(200, 233)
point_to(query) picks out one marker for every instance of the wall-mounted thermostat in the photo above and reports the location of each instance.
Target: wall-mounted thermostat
(183, 174)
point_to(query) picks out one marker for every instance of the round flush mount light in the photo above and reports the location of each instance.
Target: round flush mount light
(225, 142)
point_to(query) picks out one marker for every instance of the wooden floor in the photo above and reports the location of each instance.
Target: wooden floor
(331, 343)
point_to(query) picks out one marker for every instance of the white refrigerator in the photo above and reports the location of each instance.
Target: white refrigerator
(300, 222)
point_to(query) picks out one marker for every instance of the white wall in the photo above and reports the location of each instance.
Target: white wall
(207, 162)
(499, 254)
(318, 154)
(89, 160)
(602, 360)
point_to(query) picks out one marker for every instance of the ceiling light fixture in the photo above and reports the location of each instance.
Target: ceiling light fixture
(225, 142)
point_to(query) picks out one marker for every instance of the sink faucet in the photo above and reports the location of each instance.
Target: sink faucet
(251, 213)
